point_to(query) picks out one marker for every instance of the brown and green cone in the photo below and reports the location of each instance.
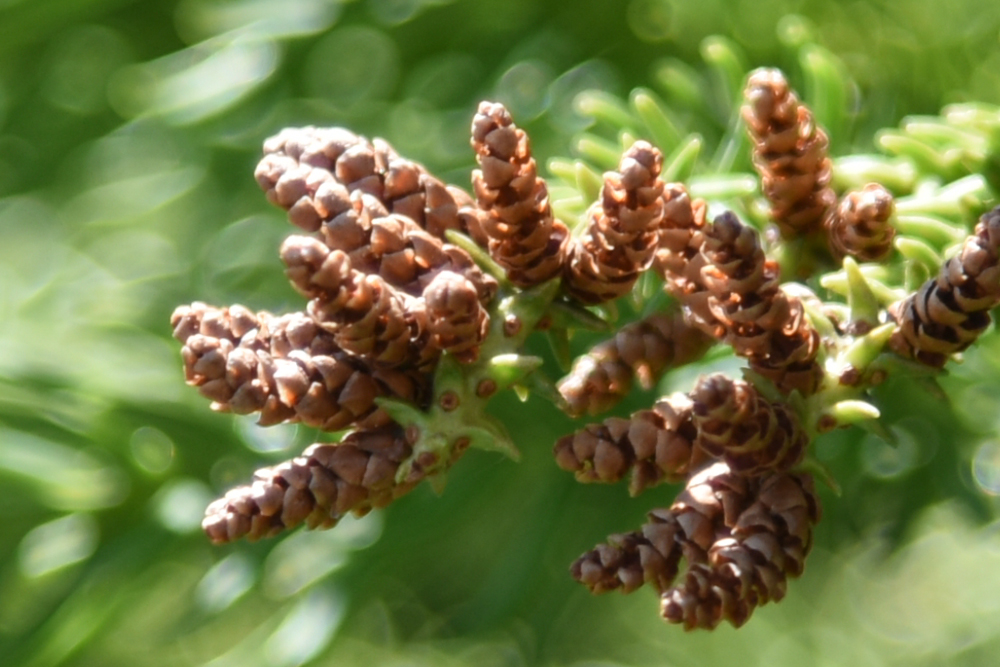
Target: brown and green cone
(860, 224)
(285, 368)
(311, 172)
(644, 350)
(317, 488)
(735, 423)
(652, 446)
(748, 567)
(523, 236)
(789, 153)
(622, 230)
(948, 312)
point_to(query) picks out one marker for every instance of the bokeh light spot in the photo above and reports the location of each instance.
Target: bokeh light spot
(65, 478)
(524, 89)
(58, 543)
(152, 449)
(191, 85)
(306, 557)
(986, 467)
(79, 66)
(180, 504)
(884, 460)
(306, 630)
(200, 19)
(265, 440)
(352, 65)
(650, 20)
(225, 583)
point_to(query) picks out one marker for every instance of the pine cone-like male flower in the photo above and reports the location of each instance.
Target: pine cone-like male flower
(456, 321)
(367, 316)
(766, 544)
(789, 153)
(683, 221)
(859, 226)
(644, 350)
(310, 172)
(524, 238)
(655, 446)
(745, 307)
(950, 311)
(751, 434)
(711, 502)
(285, 368)
(622, 232)
(317, 488)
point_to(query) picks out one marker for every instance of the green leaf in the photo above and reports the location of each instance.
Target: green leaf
(403, 413)
(604, 107)
(506, 369)
(601, 152)
(491, 435)
(860, 297)
(866, 349)
(478, 254)
(679, 165)
(653, 114)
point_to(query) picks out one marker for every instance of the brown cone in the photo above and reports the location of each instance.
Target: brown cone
(367, 316)
(285, 368)
(736, 423)
(645, 349)
(311, 171)
(317, 488)
(859, 226)
(711, 501)
(456, 321)
(524, 238)
(622, 232)
(948, 312)
(653, 446)
(739, 300)
(789, 153)
(749, 566)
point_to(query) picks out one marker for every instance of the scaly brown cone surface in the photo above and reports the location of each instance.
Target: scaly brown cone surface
(948, 312)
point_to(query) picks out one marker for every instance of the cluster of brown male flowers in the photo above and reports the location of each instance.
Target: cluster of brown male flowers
(391, 292)
(387, 296)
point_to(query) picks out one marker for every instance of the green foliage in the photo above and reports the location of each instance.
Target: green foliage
(129, 133)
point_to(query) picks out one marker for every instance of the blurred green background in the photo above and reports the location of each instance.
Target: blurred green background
(128, 136)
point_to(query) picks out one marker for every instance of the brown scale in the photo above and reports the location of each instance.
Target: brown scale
(306, 169)
(748, 567)
(644, 350)
(948, 312)
(789, 153)
(739, 290)
(382, 233)
(712, 500)
(367, 316)
(317, 488)
(622, 232)
(523, 237)
(652, 446)
(456, 322)
(683, 222)
(737, 424)
(284, 368)
(860, 225)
